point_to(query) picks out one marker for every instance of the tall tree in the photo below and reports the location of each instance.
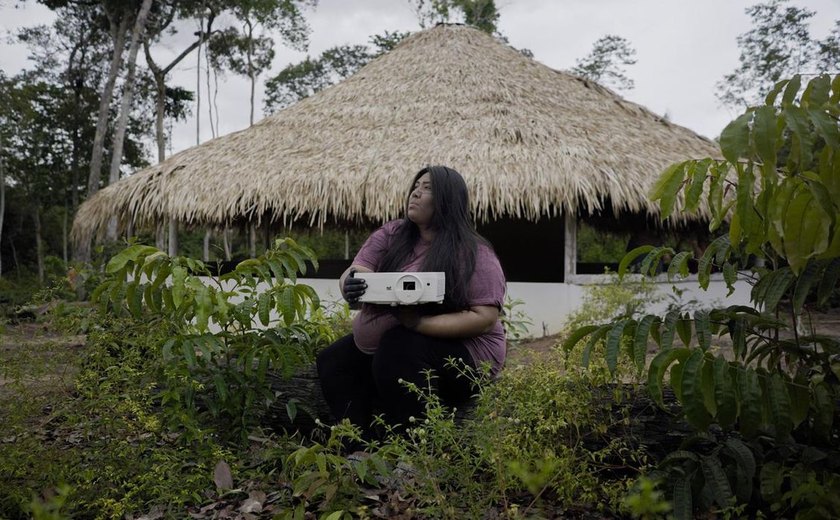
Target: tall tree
(170, 97)
(482, 14)
(249, 51)
(302, 79)
(778, 45)
(137, 36)
(72, 54)
(605, 64)
(38, 144)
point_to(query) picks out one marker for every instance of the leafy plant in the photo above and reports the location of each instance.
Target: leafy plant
(778, 186)
(226, 332)
(515, 321)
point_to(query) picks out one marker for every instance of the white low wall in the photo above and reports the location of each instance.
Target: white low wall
(548, 304)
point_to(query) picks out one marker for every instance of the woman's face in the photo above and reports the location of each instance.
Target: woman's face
(421, 202)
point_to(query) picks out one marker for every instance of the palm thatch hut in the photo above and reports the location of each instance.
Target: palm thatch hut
(536, 146)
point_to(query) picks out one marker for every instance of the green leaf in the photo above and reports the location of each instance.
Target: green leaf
(692, 391)
(697, 173)
(726, 400)
(264, 308)
(135, 299)
(613, 344)
(800, 400)
(770, 99)
(683, 505)
(765, 135)
(824, 409)
(707, 385)
(666, 188)
(804, 283)
(835, 88)
(151, 302)
(629, 257)
(676, 380)
(778, 403)
(578, 335)
(286, 305)
(826, 127)
(744, 469)
(778, 283)
(684, 329)
(658, 366)
(744, 209)
(771, 479)
(735, 138)
(749, 413)
(806, 229)
(717, 248)
(679, 265)
(651, 263)
(791, 89)
(291, 409)
(596, 336)
(640, 340)
(817, 92)
(716, 480)
(670, 325)
(730, 276)
(802, 138)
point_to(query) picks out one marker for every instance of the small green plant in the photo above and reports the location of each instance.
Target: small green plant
(515, 321)
(50, 507)
(227, 332)
(646, 501)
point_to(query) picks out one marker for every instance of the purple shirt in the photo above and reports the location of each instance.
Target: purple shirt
(487, 287)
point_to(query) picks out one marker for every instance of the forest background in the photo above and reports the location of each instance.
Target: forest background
(76, 116)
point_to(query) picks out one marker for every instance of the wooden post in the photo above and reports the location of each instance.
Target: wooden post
(173, 236)
(569, 247)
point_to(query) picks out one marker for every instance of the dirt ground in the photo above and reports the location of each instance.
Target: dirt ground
(27, 345)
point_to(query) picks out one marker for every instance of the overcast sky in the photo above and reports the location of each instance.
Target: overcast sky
(683, 48)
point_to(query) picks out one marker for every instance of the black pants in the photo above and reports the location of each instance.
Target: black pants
(358, 385)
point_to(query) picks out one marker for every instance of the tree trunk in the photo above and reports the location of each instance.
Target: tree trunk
(206, 249)
(198, 93)
(82, 250)
(39, 246)
(251, 74)
(64, 232)
(160, 235)
(173, 236)
(2, 207)
(122, 121)
(118, 35)
(160, 73)
(14, 255)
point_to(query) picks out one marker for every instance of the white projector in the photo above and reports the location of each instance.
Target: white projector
(403, 288)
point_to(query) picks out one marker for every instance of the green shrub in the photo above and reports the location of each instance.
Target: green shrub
(765, 414)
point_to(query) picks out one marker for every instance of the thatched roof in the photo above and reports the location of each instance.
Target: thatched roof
(530, 141)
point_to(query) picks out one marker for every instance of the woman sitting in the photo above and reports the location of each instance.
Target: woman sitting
(366, 372)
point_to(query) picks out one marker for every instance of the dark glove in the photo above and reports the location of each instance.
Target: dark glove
(354, 287)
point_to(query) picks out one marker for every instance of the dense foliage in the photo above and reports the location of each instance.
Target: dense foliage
(766, 412)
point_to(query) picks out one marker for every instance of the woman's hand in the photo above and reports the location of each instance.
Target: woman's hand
(353, 287)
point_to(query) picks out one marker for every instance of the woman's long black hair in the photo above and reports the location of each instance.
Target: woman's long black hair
(453, 248)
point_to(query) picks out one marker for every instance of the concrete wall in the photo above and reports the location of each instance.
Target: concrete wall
(548, 304)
